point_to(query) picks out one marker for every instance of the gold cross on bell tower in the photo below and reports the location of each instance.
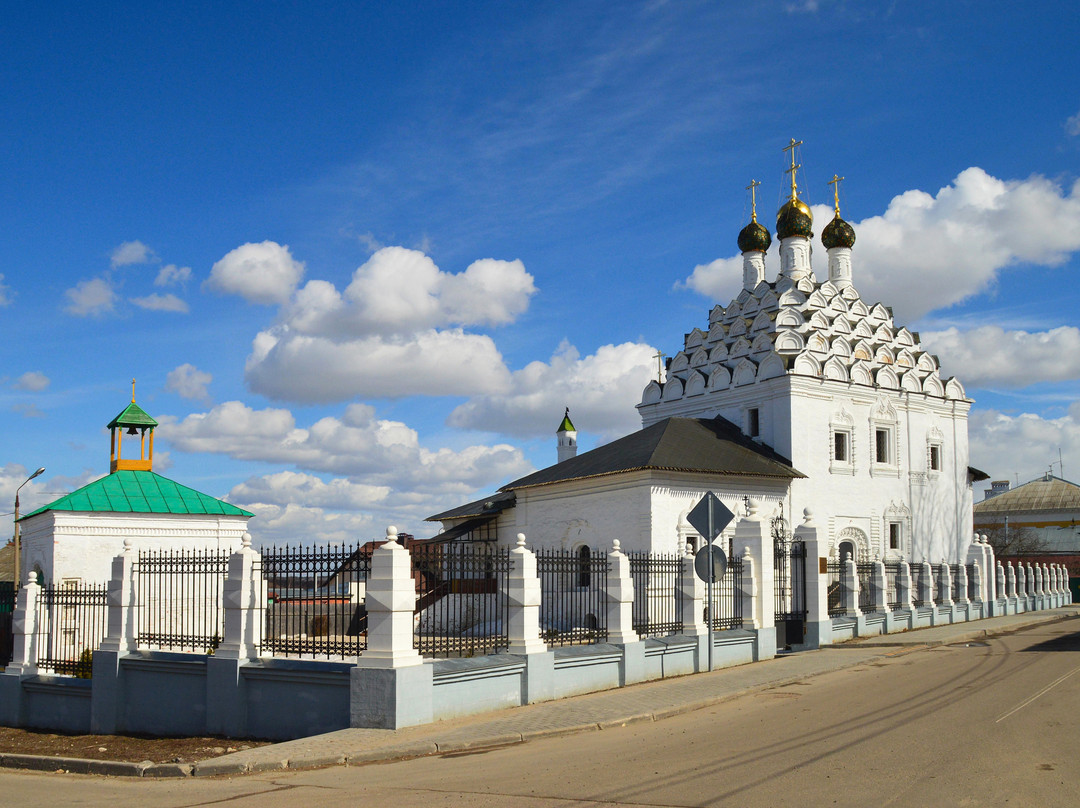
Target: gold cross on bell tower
(753, 199)
(794, 166)
(835, 183)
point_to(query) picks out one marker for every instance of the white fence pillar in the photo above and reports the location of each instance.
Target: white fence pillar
(903, 586)
(752, 533)
(818, 622)
(620, 598)
(1011, 582)
(390, 687)
(849, 581)
(926, 585)
(123, 603)
(24, 629)
(523, 620)
(748, 588)
(692, 595)
(978, 587)
(993, 592)
(243, 599)
(945, 585)
(962, 583)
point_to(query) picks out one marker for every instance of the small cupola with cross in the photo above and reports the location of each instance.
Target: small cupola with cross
(132, 423)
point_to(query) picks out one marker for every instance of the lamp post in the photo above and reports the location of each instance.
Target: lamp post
(18, 570)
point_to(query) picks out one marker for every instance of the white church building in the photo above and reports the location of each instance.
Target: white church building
(75, 538)
(798, 394)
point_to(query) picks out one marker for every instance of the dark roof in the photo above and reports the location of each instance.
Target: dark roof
(7, 561)
(711, 446)
(977, 475)
(489, 506)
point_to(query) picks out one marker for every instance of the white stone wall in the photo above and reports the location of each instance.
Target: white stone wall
(67, 544)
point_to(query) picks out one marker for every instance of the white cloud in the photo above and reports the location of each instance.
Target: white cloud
(369, 450)
(601, 391)
(93, 297)
(954, 243)
(32, 381)
(156, 302)
(259, 273)
(288, 487)
(132, 252)
(991, 356)
(171, 274)
(396, 330)
(292, 524)
(187, 381)
(28, 410)
(5, 296)
(1023, 446)
(1072, 125)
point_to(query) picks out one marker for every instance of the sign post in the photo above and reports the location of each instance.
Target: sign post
(709, 517)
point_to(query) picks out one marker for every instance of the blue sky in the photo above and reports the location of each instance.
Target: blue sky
(359, 257)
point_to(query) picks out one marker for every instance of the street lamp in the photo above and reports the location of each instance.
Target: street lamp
(18, 577)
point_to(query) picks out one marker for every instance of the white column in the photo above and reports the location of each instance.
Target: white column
(748, 586)
(903, 586)
(926, 586)
(850, 582)
(752, 534)
(980, 595)
(945, 584)
(692, 595)
(818, 622)
(991, 563)
(620, 598)
(525, 596)
(877, 587)
(962, 583)
(24, 628)
(1012, 583)
(243, 600)
(391, 601)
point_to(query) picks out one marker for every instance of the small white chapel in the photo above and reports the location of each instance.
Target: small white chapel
(798, 394)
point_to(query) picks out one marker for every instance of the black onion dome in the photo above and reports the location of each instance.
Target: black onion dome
(838, 233)
(754, 237)
(794, 219)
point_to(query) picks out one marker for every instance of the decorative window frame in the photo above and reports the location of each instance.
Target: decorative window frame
(748, 420)
(896, 514)
(935, 440)
(883, 417)
(842, 423)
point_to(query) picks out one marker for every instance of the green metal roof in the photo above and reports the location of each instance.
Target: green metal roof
(133, 415)
(567, 425)
(139, 492)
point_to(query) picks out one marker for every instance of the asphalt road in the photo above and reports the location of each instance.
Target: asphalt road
(973, 724)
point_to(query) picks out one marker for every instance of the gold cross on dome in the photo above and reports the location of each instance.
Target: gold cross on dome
(794, 166)
(753, 199)
(835, 183)
(659, 357)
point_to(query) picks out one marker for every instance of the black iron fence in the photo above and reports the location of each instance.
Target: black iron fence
(893, 585)
(314, 600)
(726, 608)
(462, 598)
(789, 581)
(836, 589)
(72, 619)
(180, 604)
(7, 611)
(959, 588)
(865, 572)
(918, 585)
(971, 582)
(658, 609)
(573, 609)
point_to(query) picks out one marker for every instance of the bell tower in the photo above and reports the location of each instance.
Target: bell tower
(132, 422)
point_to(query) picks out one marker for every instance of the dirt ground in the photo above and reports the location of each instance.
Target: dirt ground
(118, 747)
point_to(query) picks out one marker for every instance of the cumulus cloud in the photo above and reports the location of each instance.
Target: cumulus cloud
(991, 356)
(92, 297)
(187, 381)
(397, 329)
(32, 381)
(369, 450)
(954, 243)
(171, 275)
(156, 302)
(601, 390)
(1024, 445)
(259, 273)
(288, 487)
(291, 524)
(132, 252)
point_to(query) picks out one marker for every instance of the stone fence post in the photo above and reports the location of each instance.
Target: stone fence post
(945, 585)
(24, 629)
(692, 595)
(390, 687)
(523, 620)
(243, 600)
(818, 622)
(849, 582)
(903, 586)
(1011, 585)
(620, 615)
(979, 584)
(926, 585)
(106, 696)
(962, 583)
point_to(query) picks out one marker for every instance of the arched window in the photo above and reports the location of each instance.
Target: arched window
(584, 566)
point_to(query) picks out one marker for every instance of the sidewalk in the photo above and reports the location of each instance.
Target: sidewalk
(648, 701)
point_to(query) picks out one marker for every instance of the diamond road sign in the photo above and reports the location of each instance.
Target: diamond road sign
(710, 516)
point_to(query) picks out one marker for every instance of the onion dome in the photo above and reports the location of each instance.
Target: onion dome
(838, 233)
(794, 219)
(754, 238)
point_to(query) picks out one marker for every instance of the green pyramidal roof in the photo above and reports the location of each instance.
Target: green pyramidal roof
(567, 425)
(133, 415)
(139, 492)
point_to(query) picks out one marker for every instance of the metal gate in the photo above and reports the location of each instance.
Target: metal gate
(7, 609)
(789, 580)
